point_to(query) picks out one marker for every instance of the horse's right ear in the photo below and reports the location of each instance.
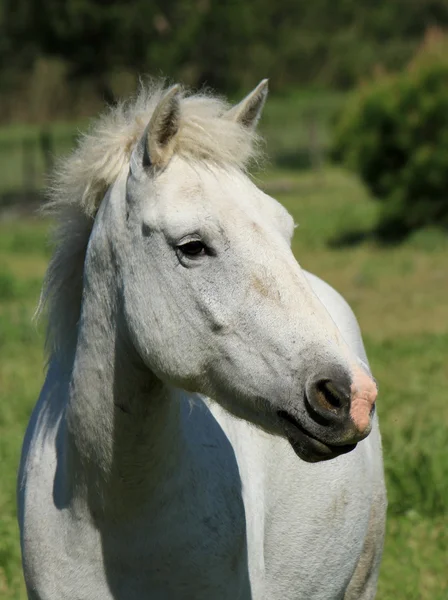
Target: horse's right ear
(157, 144)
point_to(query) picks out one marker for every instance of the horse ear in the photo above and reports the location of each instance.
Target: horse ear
(156, 146)
(248, 112)
(163, 126)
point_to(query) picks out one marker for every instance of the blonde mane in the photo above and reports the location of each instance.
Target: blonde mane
(82, 179)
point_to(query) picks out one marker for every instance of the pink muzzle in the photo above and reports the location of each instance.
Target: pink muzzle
(363, 395)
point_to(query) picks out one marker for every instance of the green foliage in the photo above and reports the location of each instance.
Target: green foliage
(228, 45)
(394, 134)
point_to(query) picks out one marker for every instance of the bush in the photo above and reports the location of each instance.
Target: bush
(394, 133)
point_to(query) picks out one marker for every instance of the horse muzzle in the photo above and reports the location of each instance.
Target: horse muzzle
(337, 413)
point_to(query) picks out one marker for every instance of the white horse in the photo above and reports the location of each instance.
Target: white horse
(198, 384)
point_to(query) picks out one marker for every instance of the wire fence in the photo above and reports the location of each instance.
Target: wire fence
(27, 160)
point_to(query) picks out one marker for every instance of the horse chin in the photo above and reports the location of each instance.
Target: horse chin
(307, 447)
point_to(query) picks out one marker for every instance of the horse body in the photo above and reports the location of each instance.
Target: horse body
(131, 487)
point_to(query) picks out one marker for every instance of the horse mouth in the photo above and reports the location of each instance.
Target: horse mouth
(305, 445)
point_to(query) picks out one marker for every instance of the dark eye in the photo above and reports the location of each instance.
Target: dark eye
(193, 248)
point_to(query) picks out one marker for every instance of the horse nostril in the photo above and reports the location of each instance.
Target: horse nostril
(329, 400)
(328, 396)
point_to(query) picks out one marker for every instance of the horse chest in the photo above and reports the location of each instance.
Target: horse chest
(192, 546)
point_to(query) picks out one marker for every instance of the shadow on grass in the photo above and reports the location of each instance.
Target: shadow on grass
(20, 203)
(301, 158)
(382, 234)
(298, 158)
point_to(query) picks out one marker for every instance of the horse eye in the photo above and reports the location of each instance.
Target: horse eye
(193, 248)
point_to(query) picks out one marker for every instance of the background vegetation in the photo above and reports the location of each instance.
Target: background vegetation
(64, 58)
(61, 60)
(394, 133)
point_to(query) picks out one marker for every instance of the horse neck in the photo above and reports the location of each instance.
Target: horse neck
(123, 425)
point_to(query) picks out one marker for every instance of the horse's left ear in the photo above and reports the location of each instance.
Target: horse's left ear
(156, 146)
(248, 112)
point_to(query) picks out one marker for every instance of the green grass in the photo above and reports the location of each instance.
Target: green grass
(399, 294)
(23, 256)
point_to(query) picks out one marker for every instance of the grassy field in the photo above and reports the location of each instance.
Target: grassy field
(400, 297)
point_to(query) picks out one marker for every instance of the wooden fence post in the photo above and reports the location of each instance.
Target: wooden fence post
(314, 145)
(28, 165)
(46, 145)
